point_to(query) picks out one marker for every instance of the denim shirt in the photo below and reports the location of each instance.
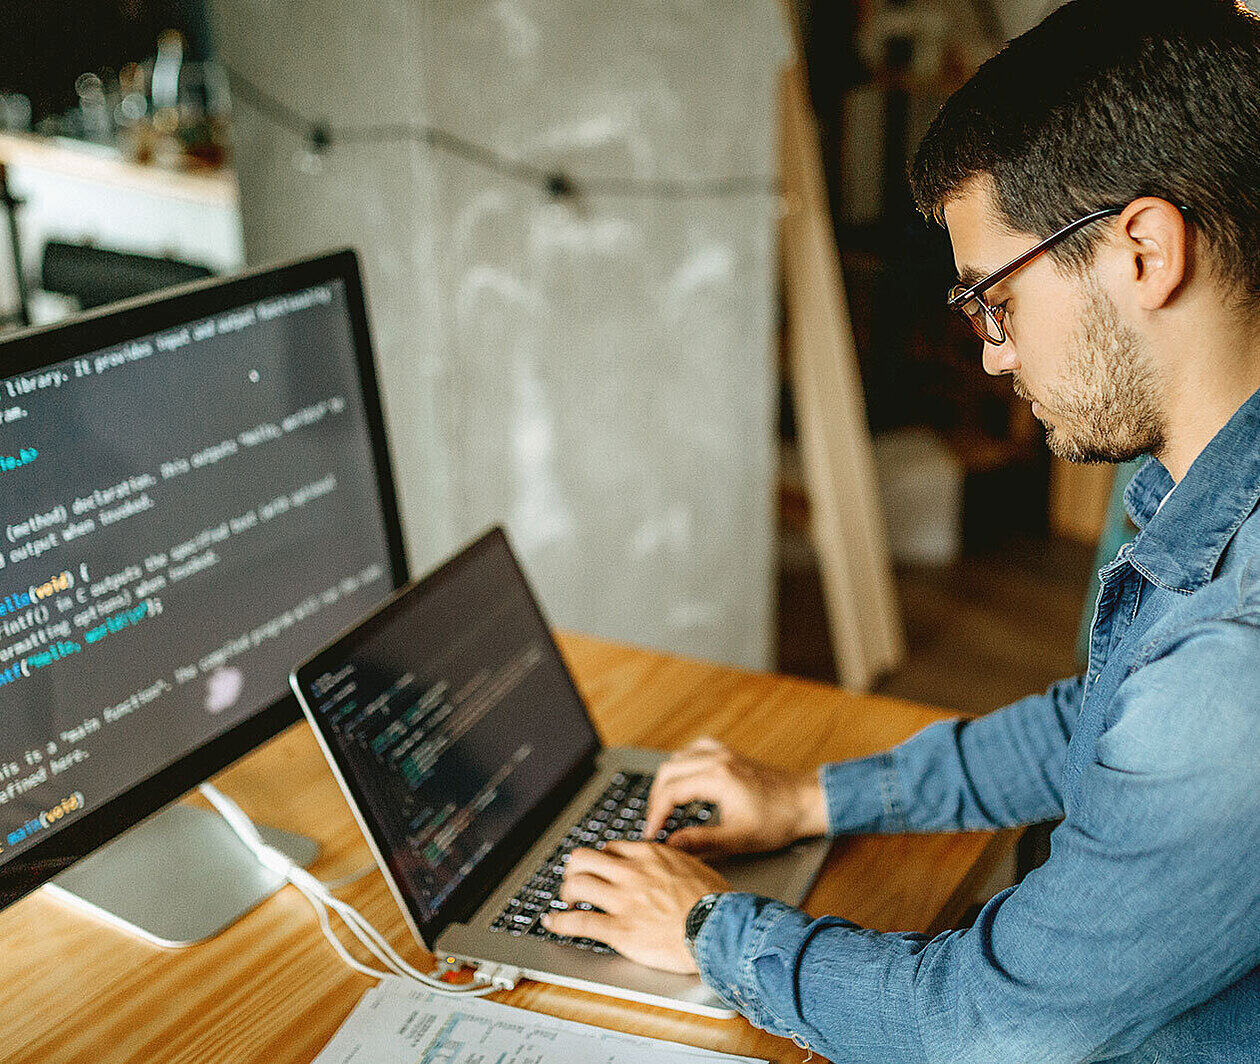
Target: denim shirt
(1139, 938)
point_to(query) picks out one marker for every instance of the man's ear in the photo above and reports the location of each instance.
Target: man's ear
(1153, 243)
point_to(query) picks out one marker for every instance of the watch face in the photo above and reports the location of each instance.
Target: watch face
(697, 915)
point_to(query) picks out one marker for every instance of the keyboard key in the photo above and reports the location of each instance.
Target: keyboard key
(618, 813)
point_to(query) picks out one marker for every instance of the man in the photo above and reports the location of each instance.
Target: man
(1100, 181)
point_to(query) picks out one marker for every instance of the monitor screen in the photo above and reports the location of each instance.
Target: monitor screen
(194, 496)
(452, 721)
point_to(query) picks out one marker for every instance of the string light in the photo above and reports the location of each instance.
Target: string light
(320, 137)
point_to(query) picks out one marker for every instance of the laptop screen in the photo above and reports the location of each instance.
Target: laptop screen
(452, 720)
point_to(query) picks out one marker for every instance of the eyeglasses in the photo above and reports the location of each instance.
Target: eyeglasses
(985, 318)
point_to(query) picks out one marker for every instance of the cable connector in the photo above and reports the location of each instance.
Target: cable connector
(499, 976)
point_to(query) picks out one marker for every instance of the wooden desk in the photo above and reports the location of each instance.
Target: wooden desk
(269, 989)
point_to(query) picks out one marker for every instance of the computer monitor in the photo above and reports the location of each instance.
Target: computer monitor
(195, 494)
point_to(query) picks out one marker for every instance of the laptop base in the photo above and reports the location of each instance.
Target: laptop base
(785, 875)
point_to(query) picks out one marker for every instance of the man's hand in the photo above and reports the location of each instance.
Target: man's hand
(760, 808)
(646, 891)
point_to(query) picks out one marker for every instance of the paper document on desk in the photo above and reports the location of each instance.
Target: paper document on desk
(399, 1023)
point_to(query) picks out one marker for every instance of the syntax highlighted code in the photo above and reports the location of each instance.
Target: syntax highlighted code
(25, 456)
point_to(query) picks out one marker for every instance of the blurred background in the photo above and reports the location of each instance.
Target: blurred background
(571, 217)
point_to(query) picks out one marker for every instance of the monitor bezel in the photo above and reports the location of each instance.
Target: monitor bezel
(33, 349)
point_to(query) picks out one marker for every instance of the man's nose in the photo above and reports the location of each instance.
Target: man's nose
(999, 359)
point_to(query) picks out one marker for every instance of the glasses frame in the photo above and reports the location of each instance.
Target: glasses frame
(959, 296)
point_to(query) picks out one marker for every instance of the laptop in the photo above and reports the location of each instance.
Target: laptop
(473, 768)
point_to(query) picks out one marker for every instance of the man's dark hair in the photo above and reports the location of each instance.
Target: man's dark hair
(1106, 101)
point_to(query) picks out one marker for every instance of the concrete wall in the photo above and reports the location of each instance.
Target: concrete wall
(599, 376)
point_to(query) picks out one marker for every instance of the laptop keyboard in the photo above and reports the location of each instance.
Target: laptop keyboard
(615, 814)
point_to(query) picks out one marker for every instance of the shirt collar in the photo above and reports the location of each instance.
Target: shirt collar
(1180, 544)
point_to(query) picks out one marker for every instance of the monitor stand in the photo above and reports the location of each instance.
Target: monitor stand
(177, 878)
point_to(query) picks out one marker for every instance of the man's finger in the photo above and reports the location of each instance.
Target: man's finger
(670, 773)
(703, 784)
(602, 863)
(682, 765)
(696, 754)
(699, 841)
(579, 923)
(583, 886)
(630, 850)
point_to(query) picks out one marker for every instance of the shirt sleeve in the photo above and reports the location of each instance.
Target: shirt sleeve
(1147, 909)
(996, 771)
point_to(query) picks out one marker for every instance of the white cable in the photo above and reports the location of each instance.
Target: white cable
(322, 913)
(372, 939)
(489, 978)
(321, 900)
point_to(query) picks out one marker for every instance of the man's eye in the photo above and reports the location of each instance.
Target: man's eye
(1000, 311)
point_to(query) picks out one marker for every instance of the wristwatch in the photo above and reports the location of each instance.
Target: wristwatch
(696, 918)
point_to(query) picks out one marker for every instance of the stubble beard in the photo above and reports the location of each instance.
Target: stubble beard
(1107, 409)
